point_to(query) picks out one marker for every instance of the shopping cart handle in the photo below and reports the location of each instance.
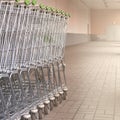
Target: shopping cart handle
(48, 8)
(69, 15)
(34, 2)
(57, 11)
(17, 0)
(27, 2)
(53, 9)
(62, 12)
(42, 6)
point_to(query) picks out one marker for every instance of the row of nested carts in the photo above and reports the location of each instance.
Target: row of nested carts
(32, 69)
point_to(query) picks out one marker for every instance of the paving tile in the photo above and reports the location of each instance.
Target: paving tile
(117, 118)
(93, 79)
(79, 116)
(89, 116)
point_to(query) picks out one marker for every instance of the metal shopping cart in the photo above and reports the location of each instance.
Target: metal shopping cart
(32, 45)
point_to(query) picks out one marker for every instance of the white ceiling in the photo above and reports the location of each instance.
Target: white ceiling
(102, 4)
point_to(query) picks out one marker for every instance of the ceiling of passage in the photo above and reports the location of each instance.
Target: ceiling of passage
(102, 4)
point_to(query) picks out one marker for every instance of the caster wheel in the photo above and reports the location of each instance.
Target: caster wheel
(65, 93)
(61, 97)
(46, 110)
(52, 103)
(56, 101)
(26, 117)
(47, 107)
(40, 111)
(34, 114)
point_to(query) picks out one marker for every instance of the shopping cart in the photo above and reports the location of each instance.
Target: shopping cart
(32, 45)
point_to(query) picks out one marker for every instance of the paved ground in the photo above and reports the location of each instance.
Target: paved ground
(93, 74)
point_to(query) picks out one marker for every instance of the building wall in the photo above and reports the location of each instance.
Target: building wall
(105, 25)
(79, 24)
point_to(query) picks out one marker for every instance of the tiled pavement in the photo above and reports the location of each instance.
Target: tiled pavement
(93, 75)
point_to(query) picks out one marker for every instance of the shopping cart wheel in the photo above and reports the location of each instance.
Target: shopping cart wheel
(40, 108)
(51, 102)
(34, 114)
(65, 89)
(56, 99)
(61, 96)
(47, 107)
(26, 117)
(64, 96)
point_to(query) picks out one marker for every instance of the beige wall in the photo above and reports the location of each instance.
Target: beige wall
(80, 14)
(100, 23)
(101, 19)
(105, 25)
